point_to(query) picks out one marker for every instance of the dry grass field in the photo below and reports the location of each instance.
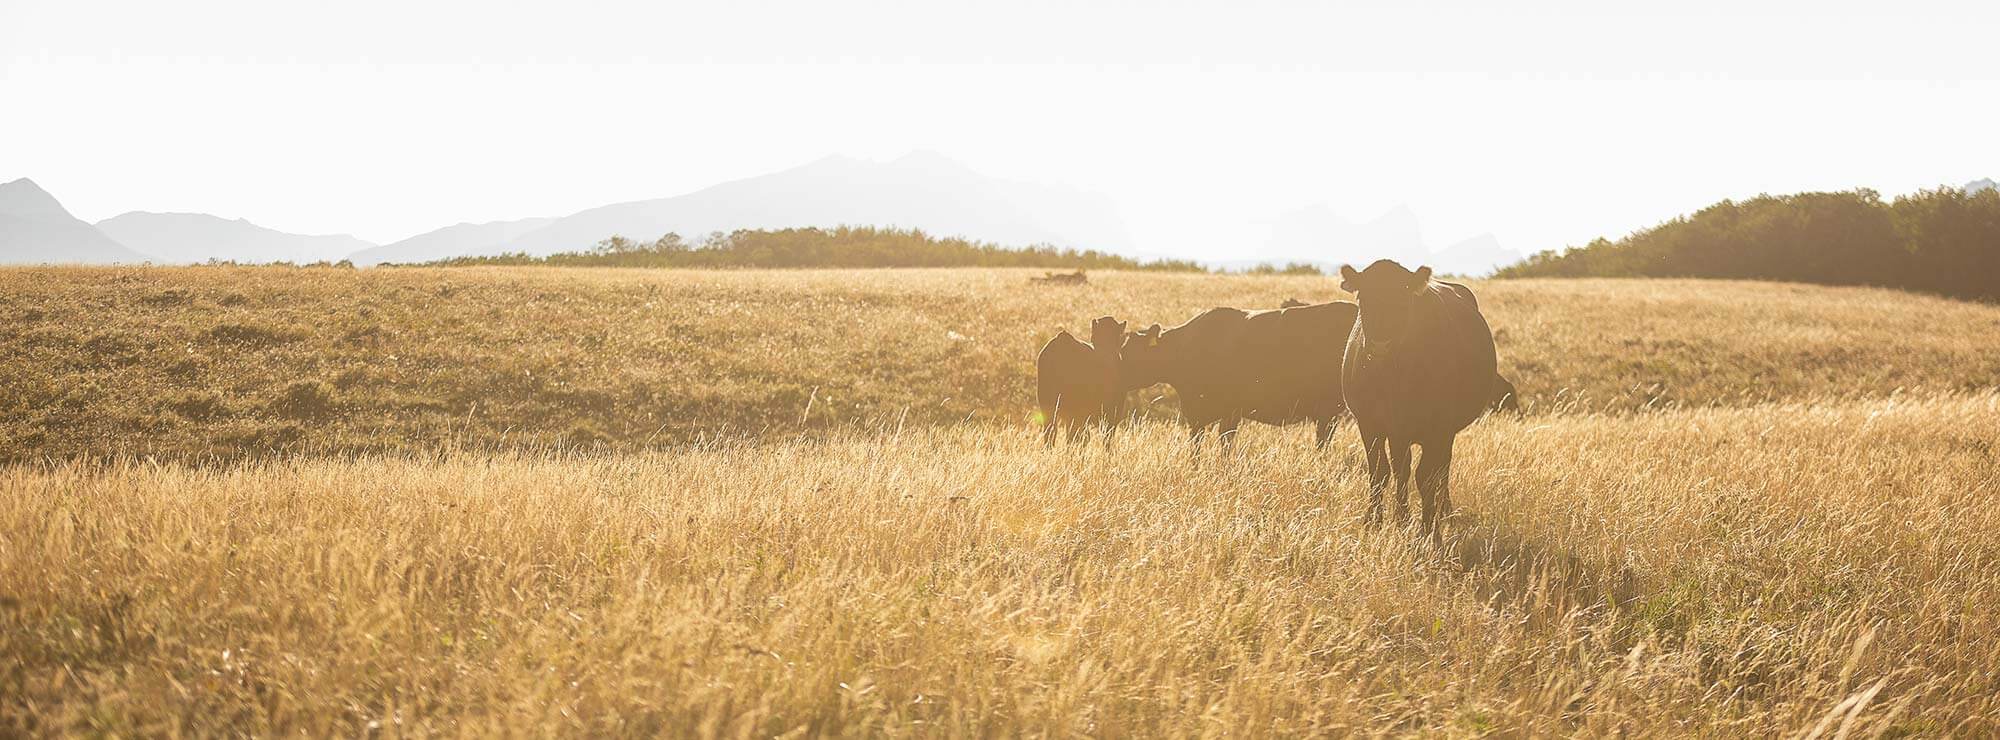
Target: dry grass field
(1719, 517)
(179, 363)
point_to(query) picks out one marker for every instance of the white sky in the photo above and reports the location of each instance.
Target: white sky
(1545, 125)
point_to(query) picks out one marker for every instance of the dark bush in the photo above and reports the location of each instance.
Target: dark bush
(305, 400)
(197, 405)
(257, 335)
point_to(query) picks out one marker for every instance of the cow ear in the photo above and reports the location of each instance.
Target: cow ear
(1422, 282)
(1350, 280)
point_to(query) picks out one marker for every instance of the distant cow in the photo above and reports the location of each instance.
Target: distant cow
(1061, 278)
(1077, 383)
(1292, 303)
(1419, 367)
(1227, 365)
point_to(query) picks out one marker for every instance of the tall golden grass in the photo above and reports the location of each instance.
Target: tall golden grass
(1804, 568)
(602, 502)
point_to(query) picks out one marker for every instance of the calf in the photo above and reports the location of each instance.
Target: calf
(1077, 383)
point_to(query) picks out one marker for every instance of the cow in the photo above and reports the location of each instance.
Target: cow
(1419, 367)
(1078, 383)
(1292, 303)
(1275, 367)
(1061, 278)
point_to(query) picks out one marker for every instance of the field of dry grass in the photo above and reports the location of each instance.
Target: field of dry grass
(1781, 542)
(1723, 572)
(232, 362)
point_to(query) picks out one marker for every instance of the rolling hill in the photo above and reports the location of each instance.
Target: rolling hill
(199, 237)
(461, 240)
(922, 190)
(36, 229)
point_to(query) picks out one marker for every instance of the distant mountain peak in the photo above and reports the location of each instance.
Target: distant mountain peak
(921, 189)
(35, 228)
(23, 197)
(1982, 184)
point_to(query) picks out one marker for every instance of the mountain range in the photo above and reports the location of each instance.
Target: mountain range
(1315, 235)
(199, 237)
(462, 240)
(35, 228)
(921, 190)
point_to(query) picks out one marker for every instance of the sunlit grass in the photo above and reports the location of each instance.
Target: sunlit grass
(206, 362)
(1721, 572)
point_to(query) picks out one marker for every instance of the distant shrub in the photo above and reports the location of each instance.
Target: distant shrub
(253, 334)
(1292, 268)
(266, 439)
(844, 246)
(197, 405)
(585, 434)
(306, 400)
(109, 347)
(354, 376)
(168, 298)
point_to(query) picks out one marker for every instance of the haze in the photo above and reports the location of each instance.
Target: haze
(1205, 123)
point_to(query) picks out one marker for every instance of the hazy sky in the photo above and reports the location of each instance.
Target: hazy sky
(1544, 125)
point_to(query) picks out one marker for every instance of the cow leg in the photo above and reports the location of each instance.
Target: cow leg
(1052, 421)
(1225, 431)
(1195, 414)
(1377, 449)
(1114, 414)
(1073, 428)
(1434, 484)
(1399, 459)
(1196, 430)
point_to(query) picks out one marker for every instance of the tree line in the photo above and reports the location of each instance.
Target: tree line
(845, 246)
(1944, 241)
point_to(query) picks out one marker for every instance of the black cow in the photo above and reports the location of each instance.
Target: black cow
(1077, 383)
(1419, 367)
(1275, 367)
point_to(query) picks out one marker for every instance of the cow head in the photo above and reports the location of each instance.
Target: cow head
(1388, 295)
(1143, 358)
(1107, 333)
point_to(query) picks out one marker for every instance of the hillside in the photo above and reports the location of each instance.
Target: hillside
(1944, 241)
(187, 238)
(245, 360)
(461, 240)
(1317, 236)
(921, 190)
(36, 229)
